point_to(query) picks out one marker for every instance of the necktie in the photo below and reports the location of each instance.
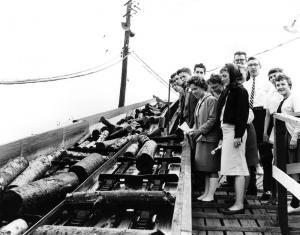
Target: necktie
(252, 94)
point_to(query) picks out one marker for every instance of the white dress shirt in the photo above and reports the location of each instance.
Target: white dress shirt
(262, 88)
(273, 100)
(290, 105)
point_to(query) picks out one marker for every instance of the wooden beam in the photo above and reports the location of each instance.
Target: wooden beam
(182, 216)
(238, 229)
(198, 214)
(289, 183)
(293, 168)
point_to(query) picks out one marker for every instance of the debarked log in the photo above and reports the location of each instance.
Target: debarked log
(11, 170)
(114, 144)
(39, 195)
(16, 227)
(72, 230)
(36, 169)
(145, 157)
(132, 150)
(122, 197)
(88, 165)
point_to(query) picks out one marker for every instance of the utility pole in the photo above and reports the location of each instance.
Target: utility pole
(128, 33)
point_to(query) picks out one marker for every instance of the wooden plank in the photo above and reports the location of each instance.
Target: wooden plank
(238, 229)
(249, 223)
(44, 143)
(93, 119)
(10, 150)
(182, 216)
(289, 183)
(186, 224)
(287, 118)
(293, 168)
(232, 223)
(223, 205)
(262, 216)
(212, 222)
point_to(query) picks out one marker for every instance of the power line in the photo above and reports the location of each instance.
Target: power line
(151, 71)
(264, 51)
(63, 77)
(155, 73)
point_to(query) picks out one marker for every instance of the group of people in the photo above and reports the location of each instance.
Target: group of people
(232, 111)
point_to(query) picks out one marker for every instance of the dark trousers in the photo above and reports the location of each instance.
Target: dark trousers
(265, 149)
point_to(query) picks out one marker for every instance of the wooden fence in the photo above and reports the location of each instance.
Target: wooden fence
(281, 169)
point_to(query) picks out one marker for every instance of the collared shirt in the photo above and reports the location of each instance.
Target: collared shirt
(262, 87)
(291, 105)
(273, 100)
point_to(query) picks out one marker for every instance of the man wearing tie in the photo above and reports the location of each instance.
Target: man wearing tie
(258, 88)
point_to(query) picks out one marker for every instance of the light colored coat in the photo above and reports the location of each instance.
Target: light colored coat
(205, 118)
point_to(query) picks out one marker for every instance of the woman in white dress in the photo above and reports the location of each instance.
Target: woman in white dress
(232, 114)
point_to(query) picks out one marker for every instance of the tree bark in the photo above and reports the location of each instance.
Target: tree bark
(125, 197)
(88, 165)
(11, 170)
(72, 230)
(16, 227)
(132, 150)
(36, 169)
(145, 157)
(39, 195)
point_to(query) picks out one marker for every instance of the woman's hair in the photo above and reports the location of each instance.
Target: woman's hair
(215, 79)
(234, 74)
(282, 77)
(197, 81)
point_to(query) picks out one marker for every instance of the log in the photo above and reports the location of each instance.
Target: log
(142, 139)
(16, 227)
(154, 131)
(39, 195)
(72, 230)
(111, 127)
(132, 150)
(121, 142)
(120, 131)
(145, 157)
(122, 196)
(105, 144)
(88, 165)
(73, 154)
(11, 170)
(36, 169)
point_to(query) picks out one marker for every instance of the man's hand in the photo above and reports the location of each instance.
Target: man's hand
(237, 142)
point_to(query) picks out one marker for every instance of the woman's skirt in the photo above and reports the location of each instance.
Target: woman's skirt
(204, 160)
(233, 160)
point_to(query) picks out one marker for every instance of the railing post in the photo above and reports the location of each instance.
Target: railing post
(280, 161)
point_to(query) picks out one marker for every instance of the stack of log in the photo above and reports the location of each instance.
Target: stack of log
(29, 195)
(11, 170)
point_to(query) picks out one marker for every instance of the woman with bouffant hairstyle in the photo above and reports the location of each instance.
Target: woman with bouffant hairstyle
(232, 115)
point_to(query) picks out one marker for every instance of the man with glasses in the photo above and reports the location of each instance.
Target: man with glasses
(258, 88)
(200, 70)
(240, 59)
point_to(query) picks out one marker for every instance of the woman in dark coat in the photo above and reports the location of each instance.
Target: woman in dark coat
(232, 114)
(206, 135)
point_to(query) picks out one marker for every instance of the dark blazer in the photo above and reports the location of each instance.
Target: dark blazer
(236, 110)
(189, 108)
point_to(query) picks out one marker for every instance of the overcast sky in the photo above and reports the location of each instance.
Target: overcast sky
(49, 38)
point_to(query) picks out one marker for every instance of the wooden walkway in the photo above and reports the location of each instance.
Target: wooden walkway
(259, 218)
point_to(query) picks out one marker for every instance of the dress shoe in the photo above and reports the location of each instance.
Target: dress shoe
(226, 211)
